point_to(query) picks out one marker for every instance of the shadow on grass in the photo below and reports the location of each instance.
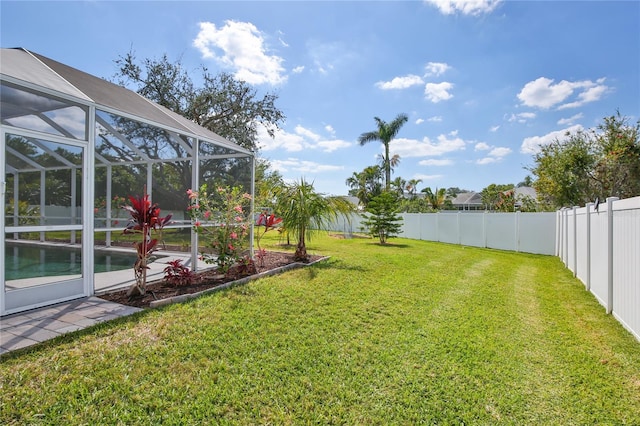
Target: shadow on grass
(316, 269)
(390, 245)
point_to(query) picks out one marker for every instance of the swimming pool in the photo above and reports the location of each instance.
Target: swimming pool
(29, 261)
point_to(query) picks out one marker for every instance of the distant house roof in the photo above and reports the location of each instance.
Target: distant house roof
(525, 191)
(467, 199)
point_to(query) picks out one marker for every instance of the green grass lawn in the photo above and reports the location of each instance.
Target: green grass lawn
(411, 333)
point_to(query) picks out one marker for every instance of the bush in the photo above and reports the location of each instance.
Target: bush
(381, 217)
(177, 274)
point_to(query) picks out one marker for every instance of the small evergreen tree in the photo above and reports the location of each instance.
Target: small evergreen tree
(381, 217)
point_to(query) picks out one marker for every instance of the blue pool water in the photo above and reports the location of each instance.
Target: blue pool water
(27, 261)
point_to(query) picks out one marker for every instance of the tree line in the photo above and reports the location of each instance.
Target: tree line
(573, 170)
(580, 167)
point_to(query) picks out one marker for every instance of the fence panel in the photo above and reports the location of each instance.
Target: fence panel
(501, 231)
(582, 245)
(626, 263)
(472, 230)
(571, 240)
(536, 232)
(528, 232)
(602, 244)
(448, 231)
(599, 254)
(411, 226)
(429, 227)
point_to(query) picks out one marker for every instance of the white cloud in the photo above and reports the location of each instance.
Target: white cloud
(327, 57)
(426, 177)
(302, 166)
(306, 133)
(435, 119)
(570, 120)
(282, 140)
(494, 155)
(542, 93)
(414, 148)
(532, 144)
(434, 162)
(400, 82)
(329, 128)
(332, 145)
(282, 42)
(301, 139)
(419, 121)
(437, 92)
(465, 7)
(522, 117)
(500, 152)
(436, 69)
(589, 95)
(487, 160)
(298, 70)
(242, 48)
(494, 129)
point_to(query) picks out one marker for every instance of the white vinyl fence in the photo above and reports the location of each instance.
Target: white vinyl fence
(525, 232)
(600, 244)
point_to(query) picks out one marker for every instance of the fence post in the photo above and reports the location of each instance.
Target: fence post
(517, 231)
(610, 201)
(565, 236)
(484, 228)
(575, 240)
(588, 230)
(558, 219)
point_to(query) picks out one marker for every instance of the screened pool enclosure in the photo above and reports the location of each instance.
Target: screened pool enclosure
(74, 148)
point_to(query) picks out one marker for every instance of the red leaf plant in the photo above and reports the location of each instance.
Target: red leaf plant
(269, 221)
(177, 274)
(144, 218)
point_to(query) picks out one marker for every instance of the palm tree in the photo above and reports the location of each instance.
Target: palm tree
(412, 186)
(366, 184)
(385, 133)
(435, 199)
(393, 162)
(304, 211)
(399, 185)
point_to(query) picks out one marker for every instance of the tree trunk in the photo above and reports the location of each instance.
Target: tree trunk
(301, 250)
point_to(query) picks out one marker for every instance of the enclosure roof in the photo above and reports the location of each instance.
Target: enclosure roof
(22, 64)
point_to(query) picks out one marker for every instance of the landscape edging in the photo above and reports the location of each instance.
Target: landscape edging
(241, 281)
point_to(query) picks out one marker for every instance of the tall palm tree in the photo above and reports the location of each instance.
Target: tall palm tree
(385, 133)
(304, 211)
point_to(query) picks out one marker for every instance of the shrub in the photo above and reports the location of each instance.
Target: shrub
(221, 218)
(177, 274)
(144, 218)
(381, 218)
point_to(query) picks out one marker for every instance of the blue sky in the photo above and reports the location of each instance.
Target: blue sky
(484, 82)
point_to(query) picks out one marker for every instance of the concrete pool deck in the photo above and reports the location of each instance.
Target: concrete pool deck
(28, 328)
(24, 329)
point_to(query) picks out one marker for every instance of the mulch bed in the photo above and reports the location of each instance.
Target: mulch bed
(160, 289)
